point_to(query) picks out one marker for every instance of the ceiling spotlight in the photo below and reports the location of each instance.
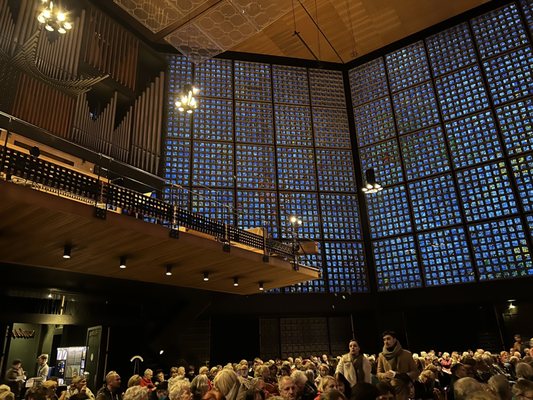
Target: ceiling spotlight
(66, 251)
(50, 295)
(261, 286)
(206, 276)
(511, 304)
(123, 262)
(169, 270)
(371, 185)
(161, 352)
(235, 281)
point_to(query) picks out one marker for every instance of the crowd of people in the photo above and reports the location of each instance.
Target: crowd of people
(395, 373)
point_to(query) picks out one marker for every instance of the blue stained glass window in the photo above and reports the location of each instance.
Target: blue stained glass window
(434, 202)
(214, 78)
(445, 257)
(384, 157)
(530, 223)
(340, 216)
(255, 167)
(327, 88)
(303, 205)
(335, 170)
(415, 108)
(473, 140)
(293, 125)
(257, 209)
(462, 93)
(179, 72)
(213, 164)
(374, 122)
(523, 173)
(499, 31)
(252, 81)
(424, 153)
(516, 124)
(388, 212)
(407, 66)
(314, 286)
(510, 75)
(331, 127)
(368, 81)
(290, 85)
(527, 7)
(451, 49)
(501, 250)
(215, 204)
(296, 168)
(345, 266)
(396, 264)
(178, 124)
(253, 123)
(177, 196)
(486, 192)
(177, 160)
(213, 120)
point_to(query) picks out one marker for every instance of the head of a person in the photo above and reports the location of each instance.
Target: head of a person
(204, 370)
(180, 390)
(465, 386)
(364, 391)
(499, 384)
(523, 389)
(389, 339)
(333, 395)
(112, 380)
(225, 381)
(353, 346)
(148, 373)
(213, 394)
(343, 385)
(459, 370)
(16, 363)
(79, 381)
(242, 370)
(6, 393)
(42, 359)
(160, 375)
(287, 388)
(136, 393)
(403, 386)
(524, 370)
(199, 386)
(427, 376)
(173, 372)
(385, 390)
(299, 378)
(134, 380)
(327, 383)
(162, 391)
(518, 338)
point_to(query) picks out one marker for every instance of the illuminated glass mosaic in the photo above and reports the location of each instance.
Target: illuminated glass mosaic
(486, 192)
(445, 257)
(374, 122)
(177, 161)
(516, 125)
(451, 49)
(213, 120)
(253, 123)
(214, 78)
(424, 153)
(527, 7)
(293, 125)
(396, 264)
(434, 202)
(530, 223)
(178, 196)
(461, 93)
(257, 209)
(215, 204)
(180, 73)
(327, 88)
(212, 164)
(345, 266)
(340, 216)
(303, 205)
(252, 81)
(415, 108)
(255, 167)
(501, 250)
(523, 173)
(314, 286)
(331, 127)
(335, 170)
(368, 82)
(473, 140)
(290, 85)
(385, 159)
(509, 75)
(388, 212)
(407, 66)
(499, 31)
(296, 168)
(178, 124)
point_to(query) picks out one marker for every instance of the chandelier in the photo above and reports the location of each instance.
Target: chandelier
(54, 20)
(187, 102)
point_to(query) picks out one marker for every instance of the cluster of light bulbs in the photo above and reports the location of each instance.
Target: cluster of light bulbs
(187, 102)
(53, 18)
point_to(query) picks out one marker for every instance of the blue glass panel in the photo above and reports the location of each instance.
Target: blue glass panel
(530, 223)
(374, 122)
(523, 173)
(516, 124)
(486, 192)
(445, 257)
(345, 266)
(178, 123)
(424, 153)
(499, 31)
(257, 209)
(510, 75)
(213, 120)
(434, 202)
(368, 81)
(331, 127)
(314, 286)
(215, 204)
(214, 78)
(327, 88)
(296, 168)
(473, 140)
(385, 159)
(252, 81)
(462, 93)
(335, 170)
(415, 108)
(340, 216)
(396, 264)
(388, 212)
(179, 72)
(451, 49)
(305, 206)
(407, 67)
(176, 195)
(293, 125)
(501, 250)
(290, 85)
(527, 7)
(255, 167)
(177, 161)
(213, 164)
(253, 123)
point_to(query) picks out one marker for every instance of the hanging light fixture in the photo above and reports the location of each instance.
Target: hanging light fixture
(66, 251)
(53, 19)
(187, 101)
(206, 276)
(122, 264)
(261, 286)
(168, 270)
(371, 185)
(235, 281)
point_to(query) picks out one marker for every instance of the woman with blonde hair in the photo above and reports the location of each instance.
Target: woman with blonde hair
(227, 382)
(136, 392)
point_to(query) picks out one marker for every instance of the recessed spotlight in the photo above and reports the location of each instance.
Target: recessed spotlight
(123, 262)
(67, 251)
(169, 270)
(261, 286)
(235, 281)
(206, 276)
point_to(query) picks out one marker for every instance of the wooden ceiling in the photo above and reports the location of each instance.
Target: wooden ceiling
(333, 30)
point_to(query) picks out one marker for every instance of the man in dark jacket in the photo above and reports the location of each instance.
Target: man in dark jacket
(111, 388)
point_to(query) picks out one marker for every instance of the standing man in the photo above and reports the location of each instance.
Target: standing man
(111, 388)
(354, 365)
(394, 360)
(15, 377)
(42, 372)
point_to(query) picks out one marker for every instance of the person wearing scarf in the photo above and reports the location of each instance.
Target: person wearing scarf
(395, 360)
(354, 365)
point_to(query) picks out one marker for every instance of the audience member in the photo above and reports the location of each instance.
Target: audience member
(394, 359)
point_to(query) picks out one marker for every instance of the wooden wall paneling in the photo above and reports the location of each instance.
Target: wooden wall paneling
(7, 26)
